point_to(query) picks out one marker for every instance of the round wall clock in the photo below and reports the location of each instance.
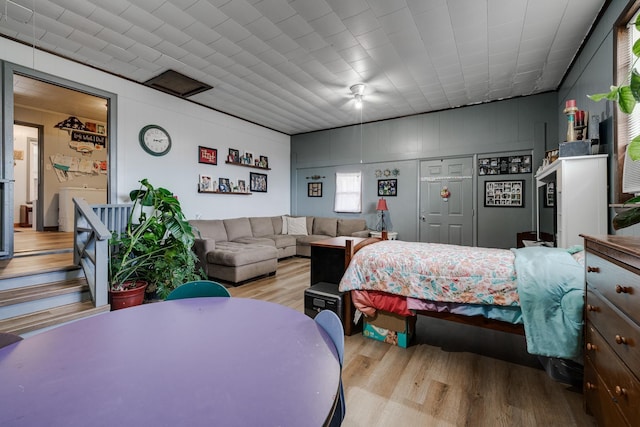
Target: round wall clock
(155, 140)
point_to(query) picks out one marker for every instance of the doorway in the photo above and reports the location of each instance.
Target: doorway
(446, 201)
(57, 158)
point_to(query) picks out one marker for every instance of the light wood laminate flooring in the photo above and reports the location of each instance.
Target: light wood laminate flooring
(453, 374)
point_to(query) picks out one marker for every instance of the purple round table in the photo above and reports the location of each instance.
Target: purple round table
(190, 362)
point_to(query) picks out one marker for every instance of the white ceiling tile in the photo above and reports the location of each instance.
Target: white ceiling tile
(148, 5)
(141, 18)
(295, 27)
(364, 22)
(310, 10)
(232, 30)
(373, 39)
(171, 34)
(347, 9)
(173, 16)
(79, 23)
(328, 25)
(275, 10)
(201, 33)
(240, 11)
(209, 15)
(311, 42)
(283, 44)
(264, 29)
(80, 7)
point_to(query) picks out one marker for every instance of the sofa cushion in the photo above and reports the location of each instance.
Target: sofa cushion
(255, 241)
(325, 226)
(261, 226)
(237, 254)
(237, 228)
(346, 227)
(297, 226)
(277, 222)
(306, 240)
(210, 228)
(283, 240)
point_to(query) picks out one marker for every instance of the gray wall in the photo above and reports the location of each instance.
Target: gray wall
(516, 126)
(593, 72)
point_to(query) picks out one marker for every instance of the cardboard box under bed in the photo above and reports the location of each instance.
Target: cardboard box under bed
(390, 328)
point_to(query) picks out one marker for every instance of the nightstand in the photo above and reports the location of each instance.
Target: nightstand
(391, 235)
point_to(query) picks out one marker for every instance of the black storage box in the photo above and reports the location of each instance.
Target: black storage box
(324, 296)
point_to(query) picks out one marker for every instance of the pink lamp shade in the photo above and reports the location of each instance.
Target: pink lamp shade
(382, 205)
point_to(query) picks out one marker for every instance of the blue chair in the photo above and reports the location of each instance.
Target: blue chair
(7, 338)
(330, 322)
(198, 289)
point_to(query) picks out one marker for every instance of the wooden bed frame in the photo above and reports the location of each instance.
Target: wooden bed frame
(480, 321)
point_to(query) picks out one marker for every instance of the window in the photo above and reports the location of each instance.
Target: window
(628, 126)
(348, 192)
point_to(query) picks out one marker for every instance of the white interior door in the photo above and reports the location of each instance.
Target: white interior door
(446, 219)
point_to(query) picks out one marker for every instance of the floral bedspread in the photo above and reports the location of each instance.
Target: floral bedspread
(435, 272)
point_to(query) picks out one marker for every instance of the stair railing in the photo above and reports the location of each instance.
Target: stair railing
(93, 226)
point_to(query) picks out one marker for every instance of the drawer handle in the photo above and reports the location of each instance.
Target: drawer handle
(620, 339)
(590, 386)
(622, 289)
(593, 308)
(591, 347)
(621, 391)
(593, 269)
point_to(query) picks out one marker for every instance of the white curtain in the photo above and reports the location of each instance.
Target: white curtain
(348, 192)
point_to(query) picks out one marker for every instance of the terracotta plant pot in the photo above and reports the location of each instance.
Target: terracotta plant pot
(128, 297)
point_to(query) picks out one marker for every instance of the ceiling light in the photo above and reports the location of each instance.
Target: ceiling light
(358, 93)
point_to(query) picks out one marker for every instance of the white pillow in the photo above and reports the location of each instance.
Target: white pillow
(297, 226)
(284, 224)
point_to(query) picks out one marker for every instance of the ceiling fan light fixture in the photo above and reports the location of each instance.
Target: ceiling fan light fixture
(358, 92)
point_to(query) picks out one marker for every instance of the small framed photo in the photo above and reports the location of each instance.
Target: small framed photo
(100, 129)
(314, 189)
(550, 195)
(205, 184)
(258, 182)
(234, 155)
(387, 187)
(242, 186)
(91, 127)
(224, 186)
(248, 158)
(504, 194)
(208, 156)
(264, 162)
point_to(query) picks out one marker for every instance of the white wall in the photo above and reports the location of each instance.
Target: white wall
(189, 125)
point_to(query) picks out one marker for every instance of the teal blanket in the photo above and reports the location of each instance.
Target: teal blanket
(551, 291)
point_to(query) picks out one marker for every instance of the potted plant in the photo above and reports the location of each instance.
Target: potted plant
(155, 248)
(627, 96)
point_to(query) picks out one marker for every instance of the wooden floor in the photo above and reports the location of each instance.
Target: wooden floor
(453, 375)
(36, 252)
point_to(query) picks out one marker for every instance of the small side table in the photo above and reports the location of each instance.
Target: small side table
(391, 235)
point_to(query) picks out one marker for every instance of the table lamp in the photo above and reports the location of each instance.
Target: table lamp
(382, 206)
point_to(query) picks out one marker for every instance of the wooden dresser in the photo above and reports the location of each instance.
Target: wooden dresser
(612, 330)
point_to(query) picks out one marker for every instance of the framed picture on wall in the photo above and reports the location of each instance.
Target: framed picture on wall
(387, 187)
(314, 189)
(504, 194)
(550, 195)
(258, 182)
(208, 156)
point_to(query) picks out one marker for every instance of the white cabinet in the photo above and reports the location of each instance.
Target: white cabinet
(581, 197)
(93, 196)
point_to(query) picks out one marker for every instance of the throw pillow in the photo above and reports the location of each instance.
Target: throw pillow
(297, 226)
(284, 224)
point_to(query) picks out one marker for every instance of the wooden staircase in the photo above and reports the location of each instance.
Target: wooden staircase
(40, 291)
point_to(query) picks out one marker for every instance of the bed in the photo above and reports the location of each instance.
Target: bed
(537, 291)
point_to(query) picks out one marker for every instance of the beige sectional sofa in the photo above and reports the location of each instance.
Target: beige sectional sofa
(238, 249)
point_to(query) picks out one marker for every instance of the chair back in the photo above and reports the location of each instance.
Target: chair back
(7, 338)
(198, 289)
(330, 322)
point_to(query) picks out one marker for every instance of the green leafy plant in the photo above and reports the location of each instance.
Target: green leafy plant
(156, 244)
(627, 96)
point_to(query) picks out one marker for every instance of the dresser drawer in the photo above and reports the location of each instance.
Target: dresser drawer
(618, 331)
(615, 283)
(598, 400)
(621, 384)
